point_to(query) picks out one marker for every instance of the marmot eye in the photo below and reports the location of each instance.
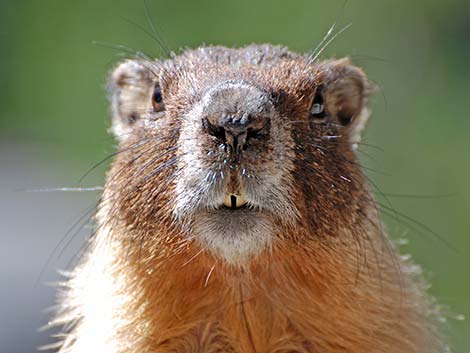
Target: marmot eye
(318, 107)
(157, 100)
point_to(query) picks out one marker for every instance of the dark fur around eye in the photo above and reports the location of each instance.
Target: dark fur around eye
(157, 100)
(317, 110)
(345, 118)
(276, 96)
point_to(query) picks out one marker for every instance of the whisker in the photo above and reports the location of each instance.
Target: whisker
(93, 188)
(159, 168)
(206, 282)
(417, 196)
(193, 257)
(329, 42)
(314, 52)
(59, 248)
(157, 36)
(156, 39)
(371, 146)
(410, 221)
(125, 48)
(96, 165)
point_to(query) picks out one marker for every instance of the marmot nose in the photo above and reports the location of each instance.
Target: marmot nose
(236, 130)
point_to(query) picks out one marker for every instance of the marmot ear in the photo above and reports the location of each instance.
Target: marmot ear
(346, 90)
(130, 87)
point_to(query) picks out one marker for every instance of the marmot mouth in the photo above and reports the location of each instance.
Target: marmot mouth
(234, 201)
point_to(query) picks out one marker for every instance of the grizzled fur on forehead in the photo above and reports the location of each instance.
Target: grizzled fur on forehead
(188, 84)
(185, 78)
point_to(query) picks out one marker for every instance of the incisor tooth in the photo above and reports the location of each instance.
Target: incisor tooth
(234, 200)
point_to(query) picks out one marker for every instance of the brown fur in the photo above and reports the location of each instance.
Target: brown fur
(331, 282)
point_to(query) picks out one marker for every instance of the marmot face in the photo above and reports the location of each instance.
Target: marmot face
(238, 146)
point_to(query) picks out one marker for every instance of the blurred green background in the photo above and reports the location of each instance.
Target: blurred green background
(54, 118)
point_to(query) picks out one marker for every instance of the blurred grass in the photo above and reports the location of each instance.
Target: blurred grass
(417, 52)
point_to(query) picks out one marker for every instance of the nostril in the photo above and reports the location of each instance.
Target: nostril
(236, 132)
(252, 133)
(218, 132)
(214, 130)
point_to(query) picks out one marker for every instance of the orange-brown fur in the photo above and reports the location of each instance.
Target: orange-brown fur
(332, 282)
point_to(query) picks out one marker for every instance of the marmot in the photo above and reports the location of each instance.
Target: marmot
(236, 218)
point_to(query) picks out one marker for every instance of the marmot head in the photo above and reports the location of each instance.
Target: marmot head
(236, 148)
